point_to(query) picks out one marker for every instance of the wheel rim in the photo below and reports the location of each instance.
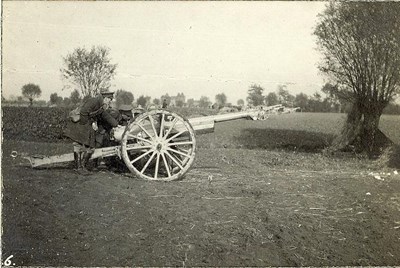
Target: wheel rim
(159, 145)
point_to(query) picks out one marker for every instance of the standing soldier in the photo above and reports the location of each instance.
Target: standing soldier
(164, 104)
(83, 132)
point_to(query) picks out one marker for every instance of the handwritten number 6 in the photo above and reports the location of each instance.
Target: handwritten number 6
(7, 262)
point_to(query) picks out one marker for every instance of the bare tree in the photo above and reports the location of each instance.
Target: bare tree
(31, 92)
(91, 71)
(360, 43)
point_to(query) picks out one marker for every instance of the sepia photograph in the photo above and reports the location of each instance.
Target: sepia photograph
(200, 133)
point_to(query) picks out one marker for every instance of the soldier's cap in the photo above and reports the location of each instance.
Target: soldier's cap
(106, 93)
(125, 107)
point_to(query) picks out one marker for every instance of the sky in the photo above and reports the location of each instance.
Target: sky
(197, 48)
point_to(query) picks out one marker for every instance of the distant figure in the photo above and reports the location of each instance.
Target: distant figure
(164, 104)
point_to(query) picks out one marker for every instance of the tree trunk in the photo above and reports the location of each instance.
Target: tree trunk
(361, 132)
(372, 139)
(346, 140)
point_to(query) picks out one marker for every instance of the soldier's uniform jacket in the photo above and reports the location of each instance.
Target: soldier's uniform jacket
(82, 131)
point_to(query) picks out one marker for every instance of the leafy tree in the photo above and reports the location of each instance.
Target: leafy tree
(204, 102)
(143, 101)
(55, 99)
(123, 97)
(75, 97)
(31, 92)
(255, 95)
(179, 103)
(156, 101)
(190, 103)
(333, 96)
(180, 100)
(92, 71)
(284, 97)
(240, 102)
(271, 99)
(301, 100)
(360, 43)
(66, 102)
(221, 99)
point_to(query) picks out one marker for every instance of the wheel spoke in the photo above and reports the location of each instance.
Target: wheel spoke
(147, 163)
(166, 165)
(147, 133)
(171, 127)
(183, 150)
(137, 147)
(176, 135)
(178, 152)
(153, 126)
(162, 124)
(173, 159)
(140, 157)
(181, 143)
(157, 166)
(139, 138)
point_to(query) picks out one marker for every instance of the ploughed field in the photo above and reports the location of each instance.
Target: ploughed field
(260, 193)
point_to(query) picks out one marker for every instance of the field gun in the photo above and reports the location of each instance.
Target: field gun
(158, 144)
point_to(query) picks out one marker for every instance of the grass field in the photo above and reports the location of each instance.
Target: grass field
(308, 132)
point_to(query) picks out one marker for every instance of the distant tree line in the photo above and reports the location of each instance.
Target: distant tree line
(326, 101)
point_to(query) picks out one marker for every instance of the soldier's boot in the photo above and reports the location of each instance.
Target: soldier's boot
(77, 160)
(95, 163)
(85, 164)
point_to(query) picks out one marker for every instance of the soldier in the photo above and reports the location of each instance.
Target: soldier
(164, 104)
(83, 132)
(126, 113)
(122, 114)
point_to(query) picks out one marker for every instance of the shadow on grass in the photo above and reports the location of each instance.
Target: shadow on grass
(284, 139)
(394, 157)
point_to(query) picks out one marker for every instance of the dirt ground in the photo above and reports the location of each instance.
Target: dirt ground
(235, 207)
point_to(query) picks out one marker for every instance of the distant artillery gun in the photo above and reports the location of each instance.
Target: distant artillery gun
(157, 145)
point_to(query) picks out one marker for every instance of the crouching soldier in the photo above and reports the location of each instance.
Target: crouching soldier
(83, 130)
(123, 115)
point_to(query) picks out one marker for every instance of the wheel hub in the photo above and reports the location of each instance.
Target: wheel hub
(159, 147)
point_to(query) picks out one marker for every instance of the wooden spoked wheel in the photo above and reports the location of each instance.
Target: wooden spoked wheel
(159, 145)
